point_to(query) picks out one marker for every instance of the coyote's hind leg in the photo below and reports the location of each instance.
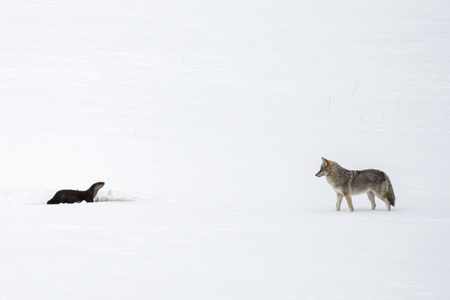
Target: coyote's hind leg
(371, 196)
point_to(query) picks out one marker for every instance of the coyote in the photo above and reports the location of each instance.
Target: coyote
(347, 183)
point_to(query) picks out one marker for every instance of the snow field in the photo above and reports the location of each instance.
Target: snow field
(207, 122)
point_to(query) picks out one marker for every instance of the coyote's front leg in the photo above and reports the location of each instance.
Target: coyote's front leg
(339, 201)
(349, 201)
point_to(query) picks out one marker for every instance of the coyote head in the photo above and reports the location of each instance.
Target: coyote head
(324, 168)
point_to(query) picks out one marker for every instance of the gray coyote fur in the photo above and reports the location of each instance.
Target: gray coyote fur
(347, 183)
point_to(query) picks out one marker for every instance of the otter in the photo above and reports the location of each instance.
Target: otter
(72, 196)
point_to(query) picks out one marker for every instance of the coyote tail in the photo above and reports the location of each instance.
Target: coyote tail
(390, 193)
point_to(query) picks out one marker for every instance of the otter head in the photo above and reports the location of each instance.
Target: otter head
(96, 187)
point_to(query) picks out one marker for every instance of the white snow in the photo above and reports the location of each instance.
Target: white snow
(207, 121)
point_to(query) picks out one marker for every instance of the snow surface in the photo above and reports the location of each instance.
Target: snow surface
(207, 121)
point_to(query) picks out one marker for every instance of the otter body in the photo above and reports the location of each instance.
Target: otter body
(72, 196)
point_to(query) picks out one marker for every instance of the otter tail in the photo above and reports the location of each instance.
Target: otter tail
(52, 201)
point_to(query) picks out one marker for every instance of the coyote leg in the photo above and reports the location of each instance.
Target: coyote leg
(349, 201)
(388, 204)
(371, 196)
(385, 199)
(339, 201)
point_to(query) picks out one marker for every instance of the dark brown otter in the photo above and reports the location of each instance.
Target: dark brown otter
(72, 196)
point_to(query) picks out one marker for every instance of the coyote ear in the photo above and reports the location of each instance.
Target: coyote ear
(326, 161)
